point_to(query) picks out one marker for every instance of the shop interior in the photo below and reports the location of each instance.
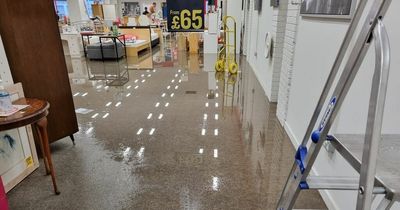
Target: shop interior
(200, 104)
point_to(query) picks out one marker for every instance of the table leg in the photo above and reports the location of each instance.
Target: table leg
(46, 163)
(42, 127)
(101, 49)
(84, 47)
(116, 48)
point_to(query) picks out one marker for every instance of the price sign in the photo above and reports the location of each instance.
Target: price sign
(185, 15)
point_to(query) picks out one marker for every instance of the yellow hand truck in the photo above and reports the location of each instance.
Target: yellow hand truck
(227, 55)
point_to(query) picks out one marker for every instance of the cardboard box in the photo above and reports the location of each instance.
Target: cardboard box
(3, 199)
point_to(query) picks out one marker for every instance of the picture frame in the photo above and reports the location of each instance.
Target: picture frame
(342, 9)
(17, 159)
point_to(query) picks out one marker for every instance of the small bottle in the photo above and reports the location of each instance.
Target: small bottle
(5, 101)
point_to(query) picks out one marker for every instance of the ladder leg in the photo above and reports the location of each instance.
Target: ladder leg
(375, 117)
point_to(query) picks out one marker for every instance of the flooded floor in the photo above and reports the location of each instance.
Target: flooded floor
(164, 131)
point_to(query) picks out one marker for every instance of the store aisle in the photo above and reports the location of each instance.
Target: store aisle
(160, 139)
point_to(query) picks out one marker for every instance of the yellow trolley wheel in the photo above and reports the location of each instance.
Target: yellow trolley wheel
(233, 68)
(219, 65)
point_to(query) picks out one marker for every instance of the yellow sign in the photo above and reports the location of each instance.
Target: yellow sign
(29, 161)
(184, 15)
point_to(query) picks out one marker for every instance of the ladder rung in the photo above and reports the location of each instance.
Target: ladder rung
(337, 183)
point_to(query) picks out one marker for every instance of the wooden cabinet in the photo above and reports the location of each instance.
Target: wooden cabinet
(34, 51)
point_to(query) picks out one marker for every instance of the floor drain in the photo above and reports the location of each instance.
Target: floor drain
(191, 92)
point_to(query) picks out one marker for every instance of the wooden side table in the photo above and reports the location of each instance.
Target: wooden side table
(36, 115)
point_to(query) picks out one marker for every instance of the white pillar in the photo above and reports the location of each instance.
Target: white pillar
(77, 10)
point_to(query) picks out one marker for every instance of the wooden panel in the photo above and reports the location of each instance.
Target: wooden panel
(97, 10)
(193, 42)
(34, 51)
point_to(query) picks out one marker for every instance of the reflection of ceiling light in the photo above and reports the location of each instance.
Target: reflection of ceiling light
(166, 104)
(76, 94)
(163, 95)
(216, 104)
(109, 103)
(136, 81)
(118, 104)
(172, 95)
(160, 116)
(150, 115)
(215, 153)
(176, 75)
(176, 87)
(216, 132)
(216, 87)
(157, 104)
(172, 81)
(168, 87)
(95, 115)
(147, 70)
(154, 70)
(216, 116)
(203, 131)
(85, 94)
(126, 152)
(180, 81)
(201, 150)
(128, 94)
(179, 70)
(99, 86)
(207, 104)
(106, 115)
(89, 130)
(205, 117)
(141, 151)
(149, 75)
(136, 87)
(215, 183)
(139, 131)
(152, 131)
(142, 75)
(216, 95)
(143, 81)
(128, 87)
(106, 87)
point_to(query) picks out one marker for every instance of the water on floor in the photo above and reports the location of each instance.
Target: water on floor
(164, 131)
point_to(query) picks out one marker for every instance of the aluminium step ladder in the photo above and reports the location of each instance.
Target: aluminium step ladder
(364, 157)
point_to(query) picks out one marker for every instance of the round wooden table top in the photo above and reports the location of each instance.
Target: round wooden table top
(36, 110)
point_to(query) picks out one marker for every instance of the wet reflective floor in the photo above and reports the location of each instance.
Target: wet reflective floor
(164, 131)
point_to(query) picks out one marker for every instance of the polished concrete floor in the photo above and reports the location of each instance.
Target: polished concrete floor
(167, 133)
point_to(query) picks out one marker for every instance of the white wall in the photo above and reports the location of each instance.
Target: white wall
(317, 44)
(273, 21)
(77, 10)
(260, 24)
